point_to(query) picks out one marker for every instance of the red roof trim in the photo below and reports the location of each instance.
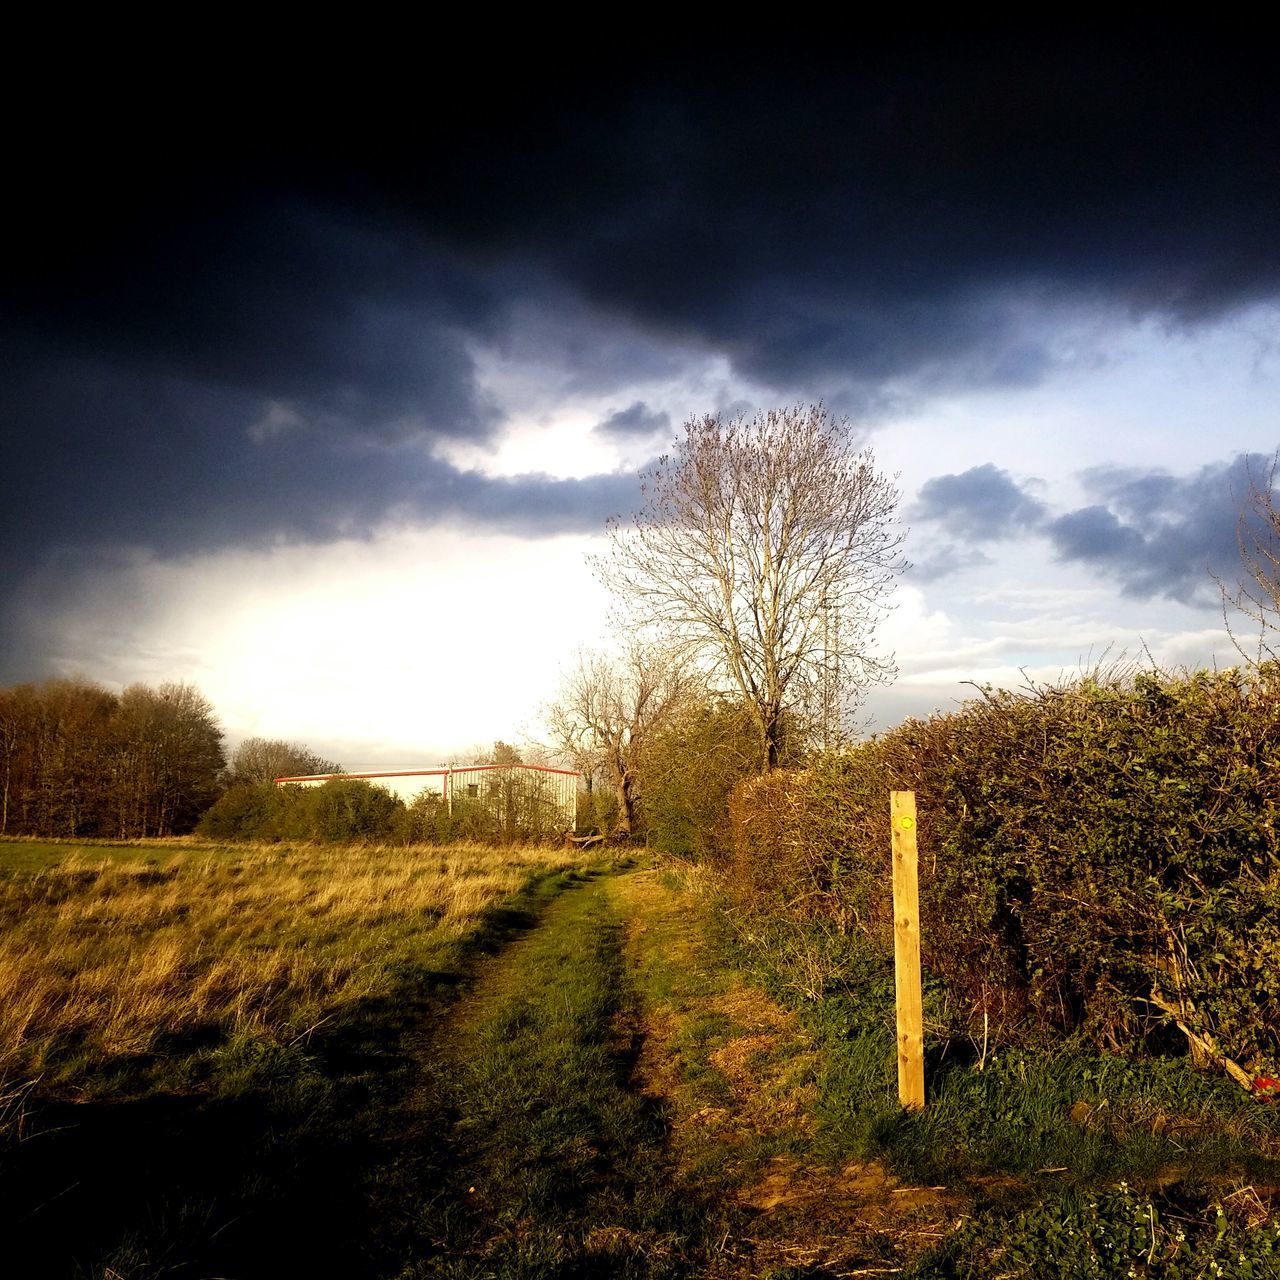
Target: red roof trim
(327, 777)
(428, 773)
(541, 768)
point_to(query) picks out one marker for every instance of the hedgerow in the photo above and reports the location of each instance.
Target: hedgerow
(1092, 857)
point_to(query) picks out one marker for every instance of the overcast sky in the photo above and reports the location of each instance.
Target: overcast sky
(318, 397)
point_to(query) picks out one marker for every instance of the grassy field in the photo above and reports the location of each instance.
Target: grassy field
(119, 965)
(463, 1064)
(196, 1042)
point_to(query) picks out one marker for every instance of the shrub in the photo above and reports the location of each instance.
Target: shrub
(426, 820)
(686, 773)
(340, 811)
(249, 811)
(1089, 853)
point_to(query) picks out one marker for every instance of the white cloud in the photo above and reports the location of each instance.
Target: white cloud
(402, 649)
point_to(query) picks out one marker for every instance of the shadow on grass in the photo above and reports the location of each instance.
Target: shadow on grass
(257, 1159)
(183, 1187)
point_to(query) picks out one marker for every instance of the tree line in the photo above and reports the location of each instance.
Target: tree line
(77, 759)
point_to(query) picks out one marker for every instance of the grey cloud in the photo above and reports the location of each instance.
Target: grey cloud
(1159, 534)
(1152, 532)
(945, 561)
(636, 422)
(1096, 535)
(981, 504)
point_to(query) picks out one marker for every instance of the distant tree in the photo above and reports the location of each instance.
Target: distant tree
(765, 546)
(77, 759)
(1255, 594)
(70, 741)
(17, 720)
(168, 759)
(504, 753)
(687, 769)
(606, 709)
(266, 759)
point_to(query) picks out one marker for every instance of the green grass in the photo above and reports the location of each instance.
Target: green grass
(555, 1165)
(1064, 1154)
(250, 1135)
(21, 855)
(1116, 1233)
(1096, 1117)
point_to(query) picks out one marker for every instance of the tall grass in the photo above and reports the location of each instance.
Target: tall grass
(109, 964)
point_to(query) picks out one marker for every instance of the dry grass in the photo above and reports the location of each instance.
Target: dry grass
(102, 958)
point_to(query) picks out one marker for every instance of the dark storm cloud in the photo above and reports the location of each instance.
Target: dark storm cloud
(980, 504)
(636, 422)
(236, 314)
(362, 327)
(888, 212)
(870, 213)
(194, 467)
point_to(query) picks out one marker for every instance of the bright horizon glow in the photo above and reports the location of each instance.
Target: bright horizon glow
(417, 645)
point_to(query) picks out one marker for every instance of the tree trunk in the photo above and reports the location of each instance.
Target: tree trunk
(626, 805)
(771, 732)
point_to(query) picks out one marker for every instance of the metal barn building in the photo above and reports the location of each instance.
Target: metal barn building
(478, 784)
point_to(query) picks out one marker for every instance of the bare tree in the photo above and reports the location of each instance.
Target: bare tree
(766, 545)
(1256, 594)
(266, 759)
(607, 708)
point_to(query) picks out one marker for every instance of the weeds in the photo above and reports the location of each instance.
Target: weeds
(1116, 1234)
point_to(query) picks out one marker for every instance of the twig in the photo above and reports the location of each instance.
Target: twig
(46, 1203)
(1204, 1043)
(315, 1026)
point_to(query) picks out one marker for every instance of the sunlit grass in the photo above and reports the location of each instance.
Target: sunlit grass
(136, 954)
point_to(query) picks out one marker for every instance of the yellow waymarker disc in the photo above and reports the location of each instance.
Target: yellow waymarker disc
(908, 822)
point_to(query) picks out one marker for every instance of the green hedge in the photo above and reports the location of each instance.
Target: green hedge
(346, 810)
(341, 811)
(1085, 851)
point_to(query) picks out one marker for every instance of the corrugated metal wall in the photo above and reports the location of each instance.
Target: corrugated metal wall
(555, 790)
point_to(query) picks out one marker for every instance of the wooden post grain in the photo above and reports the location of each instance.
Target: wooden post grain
(906, 950)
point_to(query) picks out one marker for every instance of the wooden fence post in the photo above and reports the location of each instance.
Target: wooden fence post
(906, 950)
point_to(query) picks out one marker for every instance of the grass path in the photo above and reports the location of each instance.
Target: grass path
(618, 1103)
(552, 1164)
(739, 1075)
